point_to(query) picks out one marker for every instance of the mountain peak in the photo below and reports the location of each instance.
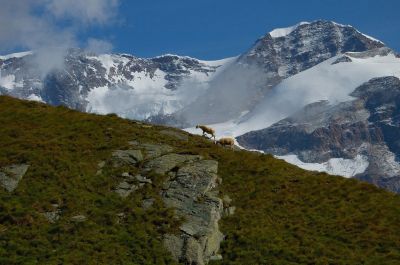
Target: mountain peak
(283, 32)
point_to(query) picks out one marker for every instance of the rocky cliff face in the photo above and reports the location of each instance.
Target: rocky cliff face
(366, 127)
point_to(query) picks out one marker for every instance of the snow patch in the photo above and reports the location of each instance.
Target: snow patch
(225, 61)
(107, 61)
(335, 166)
(15, 55)
(7, 81)
(140, 98)
(282, 32)
(34, 97)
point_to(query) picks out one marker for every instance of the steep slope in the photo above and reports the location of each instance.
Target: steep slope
(97, 190)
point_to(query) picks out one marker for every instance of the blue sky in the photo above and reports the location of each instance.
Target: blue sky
(212, 29)
(205, 29)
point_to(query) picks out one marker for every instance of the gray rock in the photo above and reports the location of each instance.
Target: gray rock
(10, 176)
(147, 203)
(227, 200)
(165, 163)
(78, 218)
(193, 253)
(191, 193)
(53, 216)
(101, 164)
(130, 157)
(178, 135)
(120, 217)
(216, 257)
(175, 245)
(134, 143)
(342, 59)
(156, 150)
(125, 175)
(124, 185)
(229, 211)
(124, 189)
(142, 179)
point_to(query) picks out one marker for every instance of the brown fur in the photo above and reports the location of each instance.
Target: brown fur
(206, 129)
(227, 141)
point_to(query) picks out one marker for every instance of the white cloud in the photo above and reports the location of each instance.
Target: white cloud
(35, 25)
(98, 46)
(88, 11)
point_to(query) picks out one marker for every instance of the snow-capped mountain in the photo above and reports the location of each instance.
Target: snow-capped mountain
(320, 95)
(132, 87)
(277, 55)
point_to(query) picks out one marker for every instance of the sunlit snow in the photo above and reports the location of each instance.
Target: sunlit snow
(334, 166)
(15, 55)
(282, 32)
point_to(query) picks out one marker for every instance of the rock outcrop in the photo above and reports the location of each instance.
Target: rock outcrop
(10, 176)
(127, 156)
(53, 215)
(190, 189)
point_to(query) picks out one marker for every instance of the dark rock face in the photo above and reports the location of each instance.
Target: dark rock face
(326, 129)
(368, 125)
(306, 46)
(343, 59)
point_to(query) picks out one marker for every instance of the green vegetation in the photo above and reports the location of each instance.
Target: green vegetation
(284, 215)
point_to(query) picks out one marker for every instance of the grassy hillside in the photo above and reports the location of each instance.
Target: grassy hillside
(284, 215)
